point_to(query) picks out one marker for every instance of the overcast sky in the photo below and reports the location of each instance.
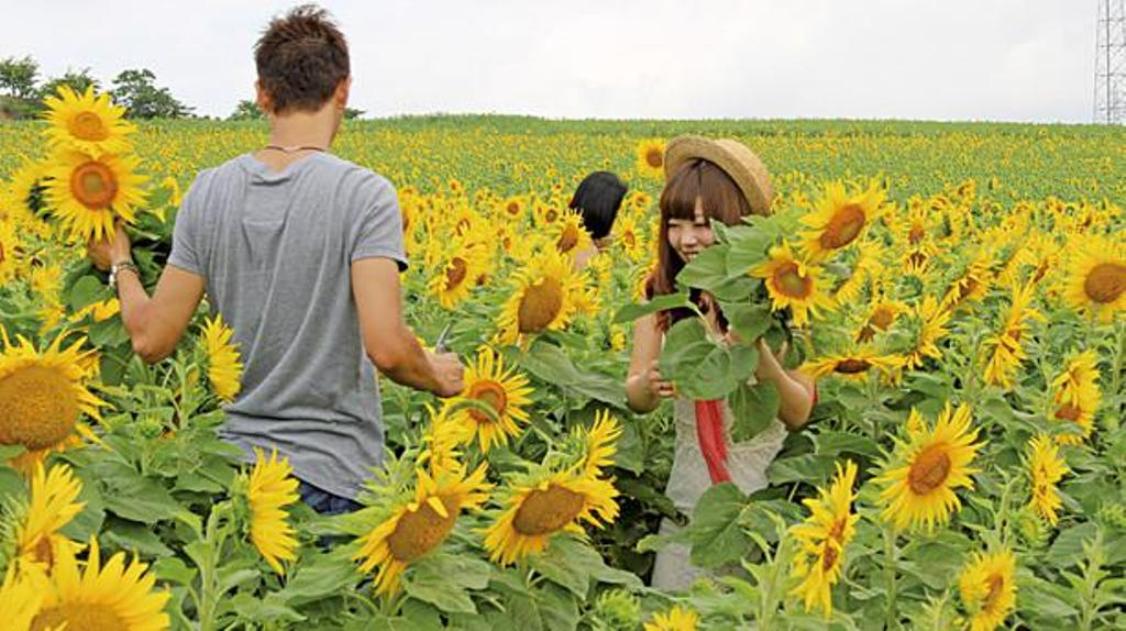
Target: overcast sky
(1008, 60)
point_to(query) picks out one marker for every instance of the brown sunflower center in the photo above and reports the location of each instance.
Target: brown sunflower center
(568, 239)
(420, 531)
(843, 228)
(836, 532)
(882, 317)
(456, 273)
(852, 366)
(79, 615)
(917, 259)
(513, 208)
(551, 215)
(93, 184)
(916, 234)
(462, 227)
(929, 470)
(629, 238)
(1069, 412)
(39, 407)
(544, 512)
(490, 393)
(88, 126)
(1105, 282)
(540, 305)
(1, 252)
(995, 583)
(829, 557)
(654, 158)
(789, 281)
(43, 553)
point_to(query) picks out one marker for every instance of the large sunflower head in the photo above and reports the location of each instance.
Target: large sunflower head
(86, 122)
(546, 295)
(224, 368)
(1045, 469)
(822, 538)
(854, 365)
(1007, 345)
(569, 234)
(793, 283)
(270, 488)
(503, 393)
(52, 506)
(113, 597)
(22, 592)
(651, 158)
(920, 479)
(43, 395)
(457, 271)
(90, 192)
(544, 504)
(841, 217)
(1077, 394)
(1096, 277)
(410, 527)
(988, 587)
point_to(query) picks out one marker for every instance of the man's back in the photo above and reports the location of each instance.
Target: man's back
(275, 249)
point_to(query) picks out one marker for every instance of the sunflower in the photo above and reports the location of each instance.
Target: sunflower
(676, 619)
(546, 295)
(569, 235)
(792, 283)
(22, 594)
(988, 588)
(600, 442)
(929, 320)
(970, 287)
(52, 507)
(43, 395)
(651, 158)
(919, 481)
(270, 488)
(822, 538)
(90, 191)
(224, 369)
(1077, 395)
(853, 366)
(547, 214)
(26, 188)
(882, 313)
(514, 208)
(545, 505)
(505, 392)
(630, 239)
(412, 527)
(867, 266)
(457, 272)
(1007, 345)
(1096, 277)
(88, 123)
(113, 597)
(1045, 469)
(841, 217)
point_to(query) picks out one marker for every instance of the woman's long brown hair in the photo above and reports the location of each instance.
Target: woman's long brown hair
(722, 200)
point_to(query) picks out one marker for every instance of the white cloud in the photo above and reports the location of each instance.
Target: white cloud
(959, 59)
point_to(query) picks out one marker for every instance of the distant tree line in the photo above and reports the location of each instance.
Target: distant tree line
(22, 92)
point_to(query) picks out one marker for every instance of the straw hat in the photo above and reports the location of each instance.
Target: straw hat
(739, 162)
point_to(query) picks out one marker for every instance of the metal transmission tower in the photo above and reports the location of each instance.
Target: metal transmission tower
(1110, 62)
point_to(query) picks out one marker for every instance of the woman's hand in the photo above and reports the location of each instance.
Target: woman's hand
(769, 363)
(657, 385)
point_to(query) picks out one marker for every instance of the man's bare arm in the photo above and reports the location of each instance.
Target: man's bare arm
(390, 344)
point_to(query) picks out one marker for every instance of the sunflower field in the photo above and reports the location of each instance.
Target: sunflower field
(958, 291)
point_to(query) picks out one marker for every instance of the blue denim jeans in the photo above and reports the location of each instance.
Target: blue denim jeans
(324, 502)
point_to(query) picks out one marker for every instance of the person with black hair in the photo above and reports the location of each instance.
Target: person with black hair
(597, 200)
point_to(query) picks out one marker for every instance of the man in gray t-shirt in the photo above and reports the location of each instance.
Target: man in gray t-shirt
(299, 251)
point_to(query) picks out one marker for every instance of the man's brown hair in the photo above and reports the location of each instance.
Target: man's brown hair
(301, 58)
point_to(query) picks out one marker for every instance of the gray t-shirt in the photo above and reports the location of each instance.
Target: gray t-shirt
(275, 249)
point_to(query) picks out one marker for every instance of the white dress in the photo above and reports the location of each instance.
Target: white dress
(746, 462)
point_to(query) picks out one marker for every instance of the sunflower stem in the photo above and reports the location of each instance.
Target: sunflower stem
(889, 575)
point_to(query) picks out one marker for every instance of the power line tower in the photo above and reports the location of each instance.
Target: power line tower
(1110, 62)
